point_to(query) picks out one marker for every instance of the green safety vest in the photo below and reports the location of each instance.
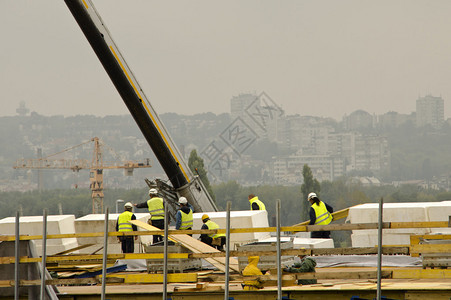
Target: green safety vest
(123, 223)
(261, 205)
(323, 216)
(156, 208)
(212, 225)
(187, 220)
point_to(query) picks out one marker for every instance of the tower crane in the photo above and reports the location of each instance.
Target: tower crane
(96, 167)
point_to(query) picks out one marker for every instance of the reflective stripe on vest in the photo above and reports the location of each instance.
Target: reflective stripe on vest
(323, 216)
(261, 205)
(156, 208)
(212, 225)
(187, 220)
(122, 221)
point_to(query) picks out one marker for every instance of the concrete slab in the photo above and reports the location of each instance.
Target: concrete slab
(238, 219)
(32, 225)
(96, 223)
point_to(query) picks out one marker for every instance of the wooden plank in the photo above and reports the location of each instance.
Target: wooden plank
(155, 278)
(421, 273)
(430, 248)
(351, 274)
(195, 246)
(76, 281)
(74, 249)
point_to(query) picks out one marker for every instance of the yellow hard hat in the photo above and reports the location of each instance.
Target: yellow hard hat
(205, 216)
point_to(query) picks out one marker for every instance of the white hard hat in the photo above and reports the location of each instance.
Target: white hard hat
(128, 204)
(311, 196)
(153, 192)
(182, 200)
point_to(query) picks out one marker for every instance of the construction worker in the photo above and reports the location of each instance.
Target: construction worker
(122, 225)
(156, 210)
(252, 270)
(255, 203)
(307, 264)
(215, 240)
(184, 216)
(320, 214)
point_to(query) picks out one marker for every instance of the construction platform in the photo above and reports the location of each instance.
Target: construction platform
(394, 288)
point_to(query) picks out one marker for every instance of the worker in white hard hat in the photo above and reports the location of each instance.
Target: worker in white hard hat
(216, 240)
(155, 205)
(320, 214)
(122, 225)
(184, 216)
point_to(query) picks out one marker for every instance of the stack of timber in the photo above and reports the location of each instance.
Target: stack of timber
(195, 246)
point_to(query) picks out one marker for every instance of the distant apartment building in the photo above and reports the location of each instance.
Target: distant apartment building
(340, 153)
(430, 110)
(359, 119)
(393, 119)
(239, 104)
(288, 170)
(260, 113)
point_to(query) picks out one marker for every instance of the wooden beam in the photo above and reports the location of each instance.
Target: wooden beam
(421, 273)
(144, 278)
(75, 281)
(195, 246)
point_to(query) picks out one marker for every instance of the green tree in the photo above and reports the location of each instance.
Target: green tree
(310, 185)
(196, 164)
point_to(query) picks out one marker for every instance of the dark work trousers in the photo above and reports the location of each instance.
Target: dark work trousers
(128, 245)
(320, 235)
(160, 225)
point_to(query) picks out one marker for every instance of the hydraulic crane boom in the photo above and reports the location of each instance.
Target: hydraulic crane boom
(181, 177)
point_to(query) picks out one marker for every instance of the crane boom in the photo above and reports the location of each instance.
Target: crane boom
(179, 174)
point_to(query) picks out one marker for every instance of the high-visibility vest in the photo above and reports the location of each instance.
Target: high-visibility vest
(212, 225)
(156, 208)
(323, 216)
(187, 220)
(123, 219)
(261, 205)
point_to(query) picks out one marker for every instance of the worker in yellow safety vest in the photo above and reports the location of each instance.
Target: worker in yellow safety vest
(184, 216)
(155, 206)
(217, 240)
(123, 225)
(320, 214)
(255, 203)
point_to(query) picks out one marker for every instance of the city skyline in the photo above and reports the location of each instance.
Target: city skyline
(322, 59)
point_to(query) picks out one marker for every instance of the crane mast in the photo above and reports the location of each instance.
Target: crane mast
(179, 174)
(96, 167)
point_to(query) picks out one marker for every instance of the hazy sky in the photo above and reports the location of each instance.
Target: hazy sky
(322, 58)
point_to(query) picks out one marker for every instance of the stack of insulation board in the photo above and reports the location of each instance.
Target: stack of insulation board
(301, 242)
(33, 225)
(96, 223)
(173, 264)
(397, 212)
(238, 219)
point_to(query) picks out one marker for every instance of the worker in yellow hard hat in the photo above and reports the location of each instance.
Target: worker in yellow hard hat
(252, 270)
(217, 240)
